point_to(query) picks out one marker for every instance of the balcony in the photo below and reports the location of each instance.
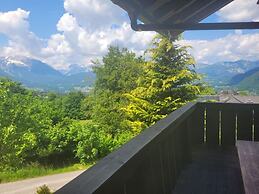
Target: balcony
(196, 149)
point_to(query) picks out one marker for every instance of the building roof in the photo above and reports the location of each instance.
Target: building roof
(176, 15)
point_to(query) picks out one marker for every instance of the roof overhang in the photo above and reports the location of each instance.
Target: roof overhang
(176, 16)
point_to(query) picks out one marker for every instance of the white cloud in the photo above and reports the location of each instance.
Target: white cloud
(240, 10)
(86, 44)
(15, 26)
(85, 32)
(229, 48)
(67, 23)
(12, 22)
(94, 14)
(234, 46)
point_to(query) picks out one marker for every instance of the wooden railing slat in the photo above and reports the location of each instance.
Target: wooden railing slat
(195, 124)
(212, 124)
(244, 122)
(228, 126)
(143, 176)
(256, 122)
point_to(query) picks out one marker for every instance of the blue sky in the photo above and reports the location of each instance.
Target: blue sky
(64, 32)
(44, 14)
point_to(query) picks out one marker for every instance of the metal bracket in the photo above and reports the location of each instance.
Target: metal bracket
(134, 21)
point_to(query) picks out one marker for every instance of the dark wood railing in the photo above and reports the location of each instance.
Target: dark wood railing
(227, 122)
(152, 161)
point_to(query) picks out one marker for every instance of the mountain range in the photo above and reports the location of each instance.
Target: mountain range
(240, 75)
(38, 75)
(32, 73)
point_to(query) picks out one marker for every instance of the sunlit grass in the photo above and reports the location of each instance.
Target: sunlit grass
(37, 171)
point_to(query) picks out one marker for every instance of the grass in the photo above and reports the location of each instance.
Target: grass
(37, 171)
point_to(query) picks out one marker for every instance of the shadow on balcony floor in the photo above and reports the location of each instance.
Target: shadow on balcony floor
(212, 171)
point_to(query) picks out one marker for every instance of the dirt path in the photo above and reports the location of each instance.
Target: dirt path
(29, 186)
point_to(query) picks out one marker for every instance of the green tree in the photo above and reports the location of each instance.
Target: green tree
(73, 105)
(169, 82)
(23, 121)
(118, 70)
(115, 76)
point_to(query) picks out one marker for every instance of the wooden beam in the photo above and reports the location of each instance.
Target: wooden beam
(196, 26)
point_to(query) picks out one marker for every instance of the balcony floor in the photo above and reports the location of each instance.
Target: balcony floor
(212, 171)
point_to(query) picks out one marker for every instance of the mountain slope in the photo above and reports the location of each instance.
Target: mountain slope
(2, 73)
(248, 81)
(240, 77)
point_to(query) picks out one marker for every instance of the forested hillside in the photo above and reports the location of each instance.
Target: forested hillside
(250, 83)
(240, 77)
(130, 94)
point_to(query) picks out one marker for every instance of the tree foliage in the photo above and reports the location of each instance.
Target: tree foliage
(169, 82)
(34, 126)
(115, 76)
(130, 94)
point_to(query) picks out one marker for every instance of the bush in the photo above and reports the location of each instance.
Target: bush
(92, 141)
(43, 190)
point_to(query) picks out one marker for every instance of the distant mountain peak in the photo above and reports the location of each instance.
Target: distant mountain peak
(15, 61)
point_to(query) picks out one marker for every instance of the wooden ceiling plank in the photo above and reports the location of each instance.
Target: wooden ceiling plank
(175, 11)
(197, 18)
(157, 4)
(190, 10)
(212, 8)
(199, 10)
